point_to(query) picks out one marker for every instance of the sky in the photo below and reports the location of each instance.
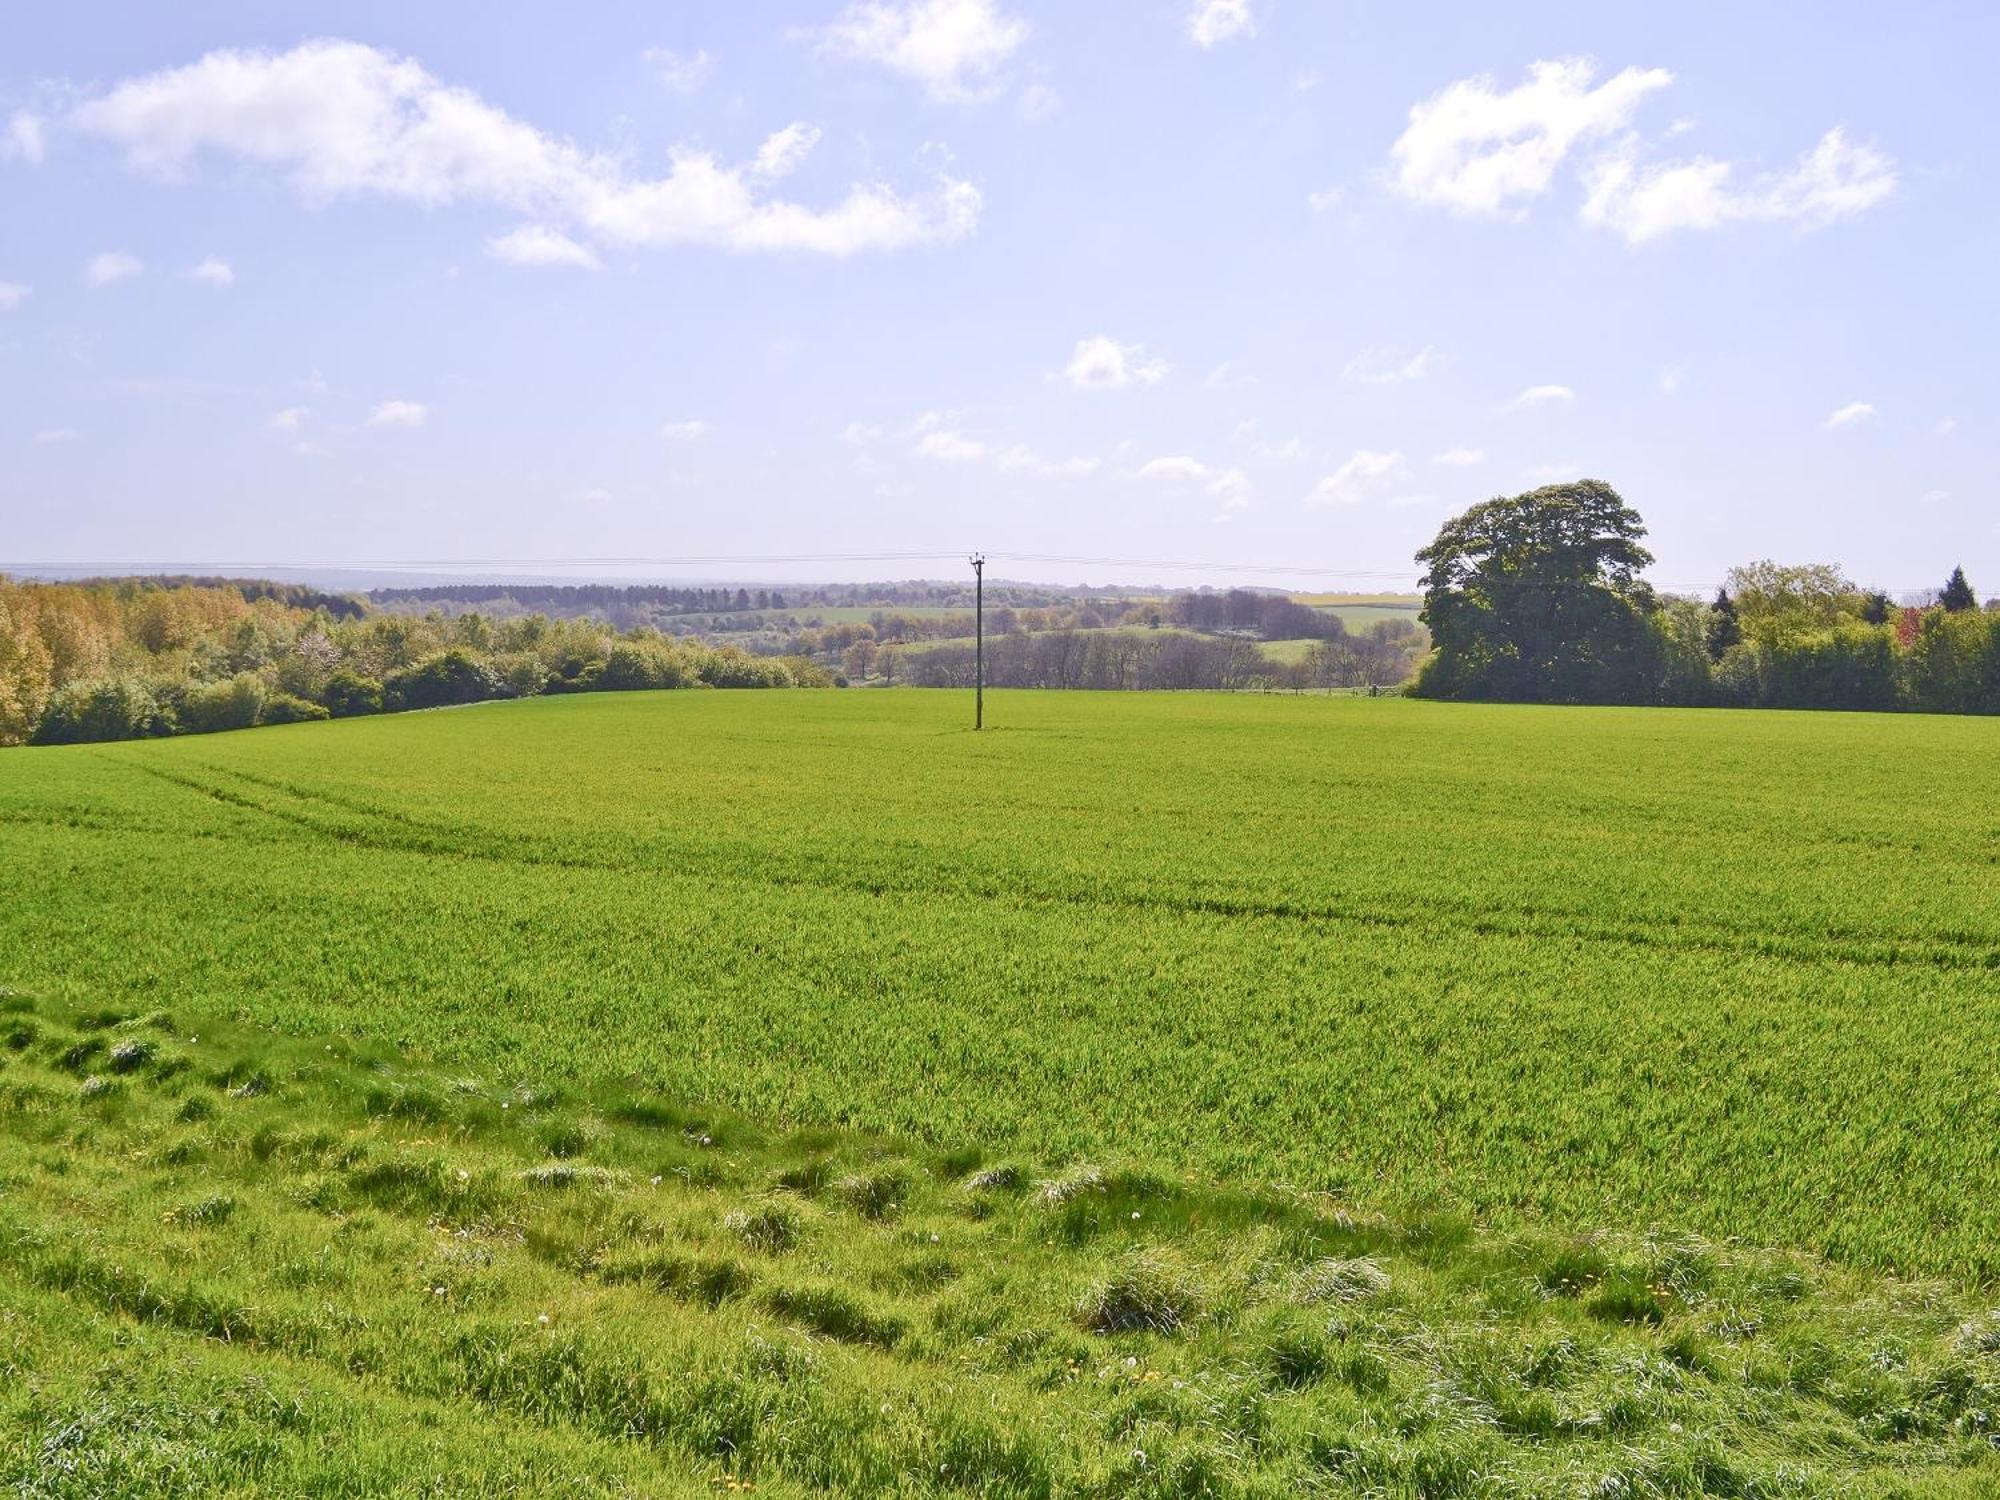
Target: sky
(1256, 284)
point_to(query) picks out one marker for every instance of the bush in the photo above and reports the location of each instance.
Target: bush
(348, 694)
(283, 708)
(111, 708)
(733, 667)
(454, 676)
(641, 665)
(213, 707)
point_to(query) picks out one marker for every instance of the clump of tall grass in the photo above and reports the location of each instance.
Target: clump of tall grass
(1150, 1290)
(1338, 1279)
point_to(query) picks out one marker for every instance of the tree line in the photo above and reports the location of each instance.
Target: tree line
(135, 658)
(1537, 598)
(1156, 660)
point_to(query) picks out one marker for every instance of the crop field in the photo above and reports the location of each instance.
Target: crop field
(1732, 973)
(1644, 1057)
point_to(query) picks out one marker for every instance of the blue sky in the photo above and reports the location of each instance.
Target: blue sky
(1258, 281)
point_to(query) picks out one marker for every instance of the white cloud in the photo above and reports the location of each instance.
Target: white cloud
(112, 265)
(593, 496)
(860, 433)
(288, 420)
(1671, 378)
(1230, 486)
(1475, 150)
(311, 450)
(1365, 476)
(399, 414)
(50, 435)
(1213, 21)
(1459, 458)
(1558, 472)
(951, 446)
(340, 119)
(12, 295)
(783, 150)
(1021, 458)
(684, 73)
(1383, 367)
(1226, 377)
(1935, 497)
(1942, 427)
(539, 245)
(1848, 415)
(1539, 395)
(23, 138)
(1325, 200)
(954, 48)
(1642, 201)
(687, 430)
(1103, 364)
(215, 271)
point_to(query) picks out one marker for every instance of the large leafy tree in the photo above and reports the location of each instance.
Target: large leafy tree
(1538, 598)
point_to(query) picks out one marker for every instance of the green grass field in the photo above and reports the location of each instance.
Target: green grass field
(1297, 981)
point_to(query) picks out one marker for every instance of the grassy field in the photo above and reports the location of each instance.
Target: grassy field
(1297, 981)
(1728, 972)
(235, 1264)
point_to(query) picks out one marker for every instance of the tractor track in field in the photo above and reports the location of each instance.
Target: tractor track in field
(401, 833)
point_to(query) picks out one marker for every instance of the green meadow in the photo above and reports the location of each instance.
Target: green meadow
(1305, 1094)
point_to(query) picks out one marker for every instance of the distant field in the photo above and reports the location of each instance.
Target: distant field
(1730, 973)
(1362, 601)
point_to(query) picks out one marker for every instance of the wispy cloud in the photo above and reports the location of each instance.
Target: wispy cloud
(407, 414)
(215, 271)
(24, 139)
(1386, 367)
(1539, 395)
(1459, 458)
(1231, 487)
(1848, 415)
(12, 295)
(112, 265)
(682, 72)
(288, 420)
(51, 435)
(1368, 475)
(685, 430)
(539, 245)
(1644, 200)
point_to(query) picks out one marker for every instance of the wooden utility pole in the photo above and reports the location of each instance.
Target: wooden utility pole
(978, 641)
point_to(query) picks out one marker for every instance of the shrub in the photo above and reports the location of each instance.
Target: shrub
(283, 708)
(348, 694)
(213, 707)
(111, 708)
(733, 667)
(641, 665)
(454, 676)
